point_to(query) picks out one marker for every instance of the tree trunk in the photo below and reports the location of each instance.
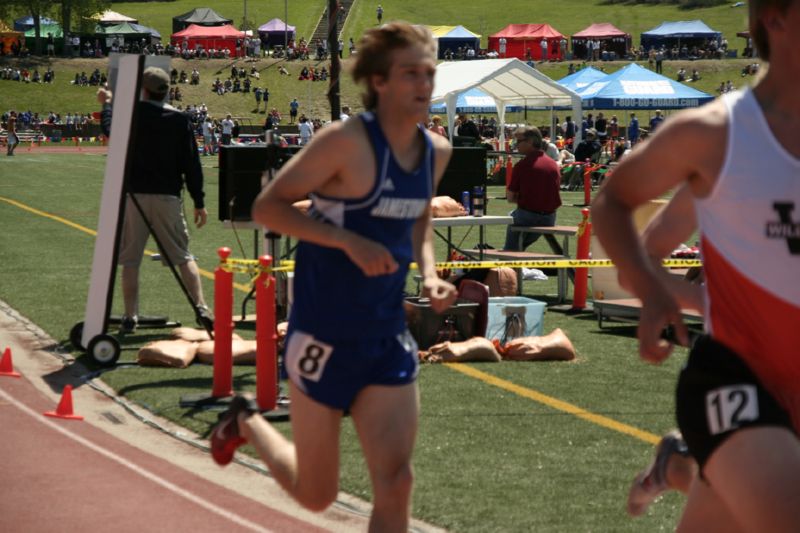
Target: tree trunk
(66, 23)
(333, 45)
(37, 27)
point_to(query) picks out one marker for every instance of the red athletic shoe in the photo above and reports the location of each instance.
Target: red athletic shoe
(225, 438)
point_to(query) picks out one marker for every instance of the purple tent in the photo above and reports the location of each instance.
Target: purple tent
(274, 32)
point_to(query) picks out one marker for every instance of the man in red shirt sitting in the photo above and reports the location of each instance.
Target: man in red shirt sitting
(535, 188)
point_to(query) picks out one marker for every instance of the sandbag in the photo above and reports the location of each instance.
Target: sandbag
(502, 281)
(193, 334)
(243, 352)
(554, 346)
(472, 350)
(444, 206)
(172, 353)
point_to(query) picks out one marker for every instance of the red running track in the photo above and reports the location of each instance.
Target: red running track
(66, 475)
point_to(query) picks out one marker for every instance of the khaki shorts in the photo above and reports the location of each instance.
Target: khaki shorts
(165, 214)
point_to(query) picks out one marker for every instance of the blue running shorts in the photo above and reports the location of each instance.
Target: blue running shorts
(333, 372)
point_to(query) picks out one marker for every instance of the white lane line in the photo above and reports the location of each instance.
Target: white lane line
(137, 469)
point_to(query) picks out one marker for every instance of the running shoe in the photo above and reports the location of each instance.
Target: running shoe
(128, 324)
(651, 482)
(225, 438)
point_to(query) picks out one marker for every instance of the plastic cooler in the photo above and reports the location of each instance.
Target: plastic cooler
(456, 324)
(514, 316)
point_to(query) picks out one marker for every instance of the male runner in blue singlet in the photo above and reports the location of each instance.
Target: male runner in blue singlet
(370, 180)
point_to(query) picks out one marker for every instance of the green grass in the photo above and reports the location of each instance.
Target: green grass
(568, 17)
(486, 460)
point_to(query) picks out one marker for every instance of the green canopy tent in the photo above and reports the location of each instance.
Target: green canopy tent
(55, 29)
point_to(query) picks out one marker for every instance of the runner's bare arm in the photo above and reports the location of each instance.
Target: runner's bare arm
(328, 164)
(688, 148)
(441, 293)
(671, 226)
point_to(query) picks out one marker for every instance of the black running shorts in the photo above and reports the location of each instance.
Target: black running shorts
(718, 394)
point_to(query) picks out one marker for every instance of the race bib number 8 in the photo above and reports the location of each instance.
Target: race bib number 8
(728, 407)
(307, 356)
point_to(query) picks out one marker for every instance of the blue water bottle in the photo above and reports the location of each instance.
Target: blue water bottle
(466, 202)
(478, 203)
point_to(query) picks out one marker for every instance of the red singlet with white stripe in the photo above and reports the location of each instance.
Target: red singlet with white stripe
(750, 230)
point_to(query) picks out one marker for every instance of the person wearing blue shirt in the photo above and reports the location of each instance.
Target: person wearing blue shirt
(656, 121)
(348, 350)
(633, 129)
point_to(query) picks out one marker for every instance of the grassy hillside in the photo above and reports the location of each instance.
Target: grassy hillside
(568, 16)
(63, 97)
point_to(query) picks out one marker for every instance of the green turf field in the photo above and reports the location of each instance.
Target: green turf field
(507, 447)
(496, 450)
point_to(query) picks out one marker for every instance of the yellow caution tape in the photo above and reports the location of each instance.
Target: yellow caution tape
(556, 263)
(249, 266)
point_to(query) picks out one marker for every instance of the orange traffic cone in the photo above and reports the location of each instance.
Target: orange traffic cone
(6, 366)
(64, 409)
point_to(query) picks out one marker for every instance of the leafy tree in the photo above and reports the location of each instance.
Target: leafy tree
(36, 9)
(81, 11)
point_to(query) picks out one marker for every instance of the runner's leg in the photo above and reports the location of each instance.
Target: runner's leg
(308, 468)
(386, 419)
(704, 512)
(756, 472)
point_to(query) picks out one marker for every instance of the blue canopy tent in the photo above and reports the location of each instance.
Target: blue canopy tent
(582, 79)
(635, 87)
(453, 37)
(685, 32)
(26, 23)
(472, 101)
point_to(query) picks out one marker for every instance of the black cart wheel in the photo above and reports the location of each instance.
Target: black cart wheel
(76, 336)
(104, 349)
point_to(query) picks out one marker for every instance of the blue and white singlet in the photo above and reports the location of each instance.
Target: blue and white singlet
(333, 299)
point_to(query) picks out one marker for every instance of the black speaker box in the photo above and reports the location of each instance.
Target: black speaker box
(466, 170)
(240, 172)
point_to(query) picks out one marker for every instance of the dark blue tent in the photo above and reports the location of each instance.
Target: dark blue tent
(26, 23)
(688, 32)
(635, 87)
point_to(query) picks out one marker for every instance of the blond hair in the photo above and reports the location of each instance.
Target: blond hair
(375, 53)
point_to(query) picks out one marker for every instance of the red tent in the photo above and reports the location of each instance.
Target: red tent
(612, 39)
(524, 38)
(208, 37)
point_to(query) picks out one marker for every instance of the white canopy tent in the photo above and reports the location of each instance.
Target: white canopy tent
(507, 81)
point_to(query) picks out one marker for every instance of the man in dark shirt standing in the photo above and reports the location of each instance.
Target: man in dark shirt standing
(656, 121)
(164, 158)
(468, 128)
(535, 188)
